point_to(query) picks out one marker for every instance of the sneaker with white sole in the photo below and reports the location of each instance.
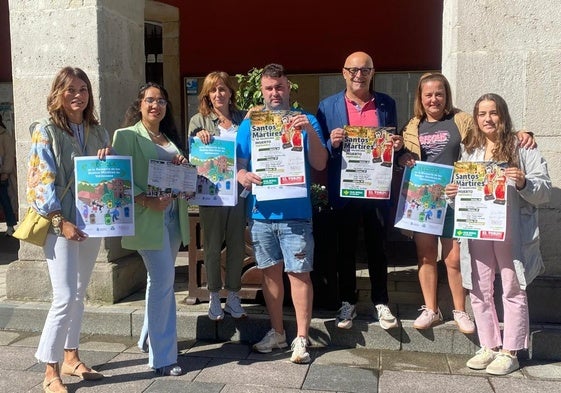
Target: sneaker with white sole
(503, 364)
(464, 322)
(482, 359)
(346, 315)
(272, 340)
(215, 312)
(385, 317)
(233, 306)
(427, 319)
(300, 353)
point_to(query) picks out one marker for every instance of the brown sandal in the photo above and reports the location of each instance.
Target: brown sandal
(47, 386)
(91, 375)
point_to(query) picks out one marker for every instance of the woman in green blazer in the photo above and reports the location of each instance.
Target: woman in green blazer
(161, 223)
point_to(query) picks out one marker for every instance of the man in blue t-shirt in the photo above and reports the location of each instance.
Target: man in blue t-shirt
(281, 230)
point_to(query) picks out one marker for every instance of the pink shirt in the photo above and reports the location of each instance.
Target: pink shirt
(365, 116)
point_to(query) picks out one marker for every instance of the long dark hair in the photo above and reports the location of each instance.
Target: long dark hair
(167, 125)
(54, 101)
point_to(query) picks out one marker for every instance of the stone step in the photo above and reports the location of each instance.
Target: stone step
(193, 323)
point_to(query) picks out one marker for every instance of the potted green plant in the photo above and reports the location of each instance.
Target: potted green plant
(249, 93)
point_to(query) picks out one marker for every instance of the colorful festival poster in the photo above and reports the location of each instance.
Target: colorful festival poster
(104, 196)
(277, 155)
(422, 204)
(216, 170)
(366, 164)
(168, 179)
(480, 205)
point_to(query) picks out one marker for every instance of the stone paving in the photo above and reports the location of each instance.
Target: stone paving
(231, 367)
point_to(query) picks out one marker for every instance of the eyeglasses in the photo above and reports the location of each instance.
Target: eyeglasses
(160, 101)
(365, 71)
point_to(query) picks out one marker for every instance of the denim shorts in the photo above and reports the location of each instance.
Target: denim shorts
(288, 240)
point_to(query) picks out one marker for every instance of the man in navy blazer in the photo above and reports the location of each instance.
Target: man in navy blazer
(357, 105)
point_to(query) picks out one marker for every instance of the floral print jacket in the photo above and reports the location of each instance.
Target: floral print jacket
(51, 165)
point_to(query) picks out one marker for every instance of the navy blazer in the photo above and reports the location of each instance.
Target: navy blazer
(332, 113)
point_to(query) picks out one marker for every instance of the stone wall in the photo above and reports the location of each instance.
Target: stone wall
(513, 49)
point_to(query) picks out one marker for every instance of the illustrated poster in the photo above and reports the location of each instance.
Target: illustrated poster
(366, 163)
(104, 196)
(168, 179)
(216, 169)
(480, 205)
(277, 155)
(422, 206)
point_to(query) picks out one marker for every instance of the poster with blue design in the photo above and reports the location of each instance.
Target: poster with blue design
(422, 204)
(216, 171)
(104, 196)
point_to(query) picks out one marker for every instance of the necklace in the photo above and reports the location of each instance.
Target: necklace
(154, 134)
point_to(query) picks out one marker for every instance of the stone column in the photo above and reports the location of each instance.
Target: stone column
(106, 39)
(513, 49)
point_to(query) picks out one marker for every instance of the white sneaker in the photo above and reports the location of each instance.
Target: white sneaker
(482, 359)
(300, 354)
(272, 340)
(233, 306)
(385, 317)
(215, 312)
(346, 315)
(503, 364)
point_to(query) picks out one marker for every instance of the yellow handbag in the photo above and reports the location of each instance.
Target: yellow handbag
(33, 229)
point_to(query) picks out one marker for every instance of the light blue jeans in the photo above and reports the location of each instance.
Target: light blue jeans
(290, 241)
(70, 266)
(160, 317)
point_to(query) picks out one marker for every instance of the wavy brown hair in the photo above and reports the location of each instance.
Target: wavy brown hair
(505, 147)
(62, 81)
(418, 109)
(210, 82)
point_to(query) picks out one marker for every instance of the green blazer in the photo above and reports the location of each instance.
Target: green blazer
(134, 141)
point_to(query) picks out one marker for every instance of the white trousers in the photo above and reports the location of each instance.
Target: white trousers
(70, 266)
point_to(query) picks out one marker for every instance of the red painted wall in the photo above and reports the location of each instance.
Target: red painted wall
(308, 36)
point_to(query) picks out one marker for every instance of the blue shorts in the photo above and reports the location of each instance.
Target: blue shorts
(288, 240)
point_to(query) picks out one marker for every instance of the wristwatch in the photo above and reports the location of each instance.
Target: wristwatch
(56, 222)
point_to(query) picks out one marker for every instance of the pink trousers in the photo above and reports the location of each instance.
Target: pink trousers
(486, 258)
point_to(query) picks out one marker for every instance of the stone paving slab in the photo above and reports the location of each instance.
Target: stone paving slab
(341, 379)
(420, 382)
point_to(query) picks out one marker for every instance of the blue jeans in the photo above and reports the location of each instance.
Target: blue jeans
(288, 240)
(160, 314)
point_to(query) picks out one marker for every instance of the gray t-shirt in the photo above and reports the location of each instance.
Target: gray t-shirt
(440, 141)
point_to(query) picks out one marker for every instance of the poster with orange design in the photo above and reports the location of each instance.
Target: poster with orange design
(277, 155)
(367, 162)
(480, 205)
